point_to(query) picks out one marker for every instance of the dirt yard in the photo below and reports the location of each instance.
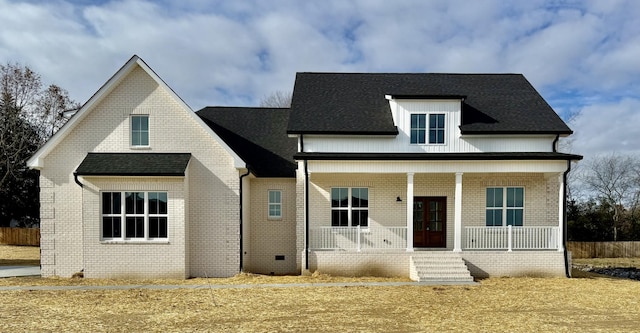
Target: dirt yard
(586, 304)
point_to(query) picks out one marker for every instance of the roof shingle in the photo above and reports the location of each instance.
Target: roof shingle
(354, 103)
(134, 164)
(257, 135)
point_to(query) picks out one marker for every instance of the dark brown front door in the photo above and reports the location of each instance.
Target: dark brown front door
(429, 221)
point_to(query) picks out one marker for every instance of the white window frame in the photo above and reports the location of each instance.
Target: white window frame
(274, 204)
(132, 134)
(349, 208)
(504, 209)
(427, 128)
(146, 215)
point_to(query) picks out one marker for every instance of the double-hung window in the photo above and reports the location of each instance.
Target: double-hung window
(140, 131)
(349, 207)
(134, 215)
(505, 206)
(427, 128)
(275, 204)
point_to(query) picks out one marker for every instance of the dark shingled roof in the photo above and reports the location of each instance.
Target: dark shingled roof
(354, 103)
(134, 164)
(436, 156)
(257, 135)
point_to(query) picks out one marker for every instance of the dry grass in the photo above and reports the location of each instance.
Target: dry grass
(609, 262)
(495, 305)
(11, 255)
(589, 304)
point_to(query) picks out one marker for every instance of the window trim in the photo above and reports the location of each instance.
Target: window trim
(131, 133)
(504, 208)
(427, 129)
(123, 215)
(349, 208)
(274, 204)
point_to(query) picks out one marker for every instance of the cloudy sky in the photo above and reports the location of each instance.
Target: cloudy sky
(582, 56)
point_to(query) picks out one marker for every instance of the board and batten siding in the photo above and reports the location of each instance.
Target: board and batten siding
(454, 141)
(546, 167)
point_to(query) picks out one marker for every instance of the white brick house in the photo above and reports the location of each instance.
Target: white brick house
(364, 174)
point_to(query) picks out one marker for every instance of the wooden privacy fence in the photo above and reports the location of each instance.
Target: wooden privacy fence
(20, 236)
(580, 250)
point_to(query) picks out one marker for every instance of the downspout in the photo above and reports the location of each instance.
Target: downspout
(567, 269)
(306, 206)
(241, 217)
(306, 214)
(84, 256)
(75, 178)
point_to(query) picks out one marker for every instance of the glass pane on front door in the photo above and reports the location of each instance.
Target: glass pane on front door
(418, 215)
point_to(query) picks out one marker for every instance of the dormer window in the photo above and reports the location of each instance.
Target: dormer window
(140, 131)
(427, 128)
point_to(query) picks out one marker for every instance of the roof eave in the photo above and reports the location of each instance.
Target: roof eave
(436, 156)
(488, 132)
(359, 133)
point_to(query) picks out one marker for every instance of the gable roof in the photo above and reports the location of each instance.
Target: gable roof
(354, 103)
(134, 164)
(36, 161)
(257, 135)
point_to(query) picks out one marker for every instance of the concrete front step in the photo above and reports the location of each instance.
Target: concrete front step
(439, 266)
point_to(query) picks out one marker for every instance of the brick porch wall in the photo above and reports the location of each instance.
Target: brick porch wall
(481, 264)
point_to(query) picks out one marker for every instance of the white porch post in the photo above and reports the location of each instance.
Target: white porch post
(409, 212)
(560, 212)
(457, 221)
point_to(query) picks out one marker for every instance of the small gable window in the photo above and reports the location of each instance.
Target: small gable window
(427, 128)
(275, 204)
(140, 131)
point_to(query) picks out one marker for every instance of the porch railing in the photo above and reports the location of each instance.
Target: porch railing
(357, 238)
(511, 238)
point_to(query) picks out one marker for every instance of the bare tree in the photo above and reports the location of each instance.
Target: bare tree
(277, 99)
(29, 115)
(614, 178)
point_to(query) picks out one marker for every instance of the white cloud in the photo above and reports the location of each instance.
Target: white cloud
(606, 128)
(581, 55)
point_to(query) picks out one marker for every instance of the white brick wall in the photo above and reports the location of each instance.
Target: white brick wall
(115, 259)
(271, 237)
(481, 264)
(517, 263)
(210, 193)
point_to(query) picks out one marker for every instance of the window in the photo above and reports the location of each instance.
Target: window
(436, 128)
(144, 214)
(275, 204)
(505, 206)
(420, 128)
(349, 207)
(140, 131)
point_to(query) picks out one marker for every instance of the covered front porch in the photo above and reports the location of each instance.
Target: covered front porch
(500, 218)
(436, 211)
